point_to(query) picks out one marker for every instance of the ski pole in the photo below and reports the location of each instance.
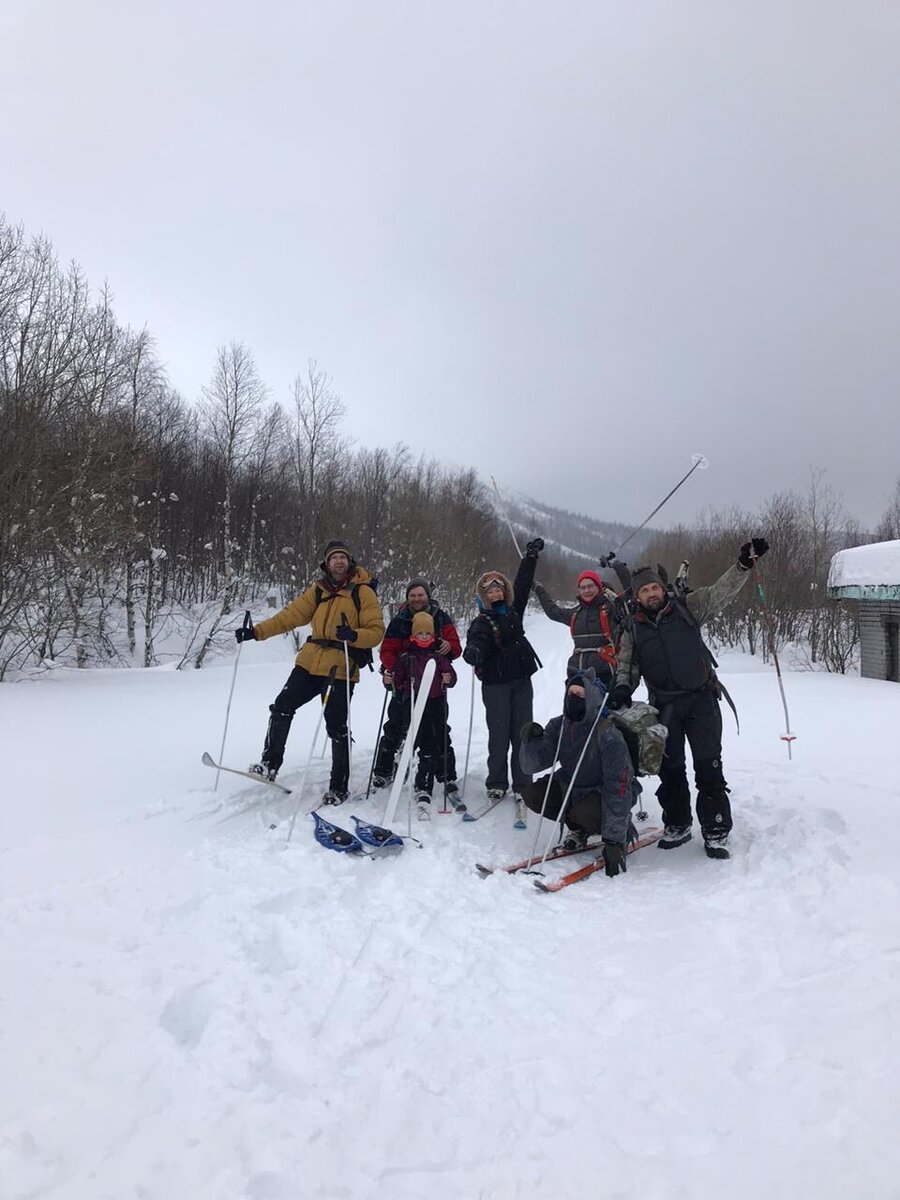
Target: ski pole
(237, 658)
(787, 736)
(506, 517)
(699, 460)
(377, 743)
(537, 832)
(462, 794)
(349, 733)
(326, 695)
(565, 803)
(446, 807)
(410, 773)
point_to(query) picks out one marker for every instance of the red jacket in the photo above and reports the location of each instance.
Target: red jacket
(398, 632)
(411, 664)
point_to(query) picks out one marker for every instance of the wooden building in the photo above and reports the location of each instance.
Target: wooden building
(869, 576)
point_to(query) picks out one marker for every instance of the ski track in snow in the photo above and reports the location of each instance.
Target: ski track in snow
(191, 1008)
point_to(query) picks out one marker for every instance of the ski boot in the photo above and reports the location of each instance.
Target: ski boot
(263, 771)
(575, 840)
(332, 796)
(423, 806)
(520, 820)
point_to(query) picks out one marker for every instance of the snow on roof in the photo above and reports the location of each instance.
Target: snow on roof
(877, 565)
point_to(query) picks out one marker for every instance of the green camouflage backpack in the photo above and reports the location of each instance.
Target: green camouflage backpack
(644, 735)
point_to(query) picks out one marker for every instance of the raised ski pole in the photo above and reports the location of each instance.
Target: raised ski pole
(377, 742)
(462, 794)
(312, 746)
(237, 658)
(699, 460)
(787, 736)
(512, 532)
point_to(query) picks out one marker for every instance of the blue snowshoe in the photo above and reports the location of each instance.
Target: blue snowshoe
(374, 835)
(332, 837)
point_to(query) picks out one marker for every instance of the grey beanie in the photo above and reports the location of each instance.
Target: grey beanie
(422, 583)
(643, 576)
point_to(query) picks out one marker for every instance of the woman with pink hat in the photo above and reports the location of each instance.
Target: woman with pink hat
(594, 622)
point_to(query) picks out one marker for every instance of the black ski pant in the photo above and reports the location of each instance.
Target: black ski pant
(394, 732)
(430, 745)
(694, 718)
(507, 707)
(584, 811)
(301, 687)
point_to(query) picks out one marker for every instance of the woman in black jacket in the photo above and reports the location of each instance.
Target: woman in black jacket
(504, 661)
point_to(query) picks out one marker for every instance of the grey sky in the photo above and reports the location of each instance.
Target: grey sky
(569, 244)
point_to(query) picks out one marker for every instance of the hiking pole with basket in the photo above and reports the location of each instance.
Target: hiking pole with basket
(248, 624)
(377, 742)
(349, 733)
(699, 460)
(462, 794)
(445, 714)
(787, 736)
(326, 696)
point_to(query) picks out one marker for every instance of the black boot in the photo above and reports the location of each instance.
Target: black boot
(276, 740)
(340, 771)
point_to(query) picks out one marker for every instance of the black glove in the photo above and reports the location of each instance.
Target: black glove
(534, 547)
(344, 632)
(755, 548)
(531, 731)
(246, 633)
(472, 655)
(619, 697)
(614, 858)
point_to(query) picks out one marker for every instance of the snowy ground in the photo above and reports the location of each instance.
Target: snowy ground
(192, 1011)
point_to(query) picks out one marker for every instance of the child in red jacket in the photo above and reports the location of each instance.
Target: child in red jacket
(407, 674)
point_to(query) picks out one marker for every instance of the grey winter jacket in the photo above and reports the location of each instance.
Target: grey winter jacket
(606, 767)
(702, 604)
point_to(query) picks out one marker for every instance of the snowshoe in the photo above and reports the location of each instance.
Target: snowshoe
(374, 835)
(674, 835)
(332, 837)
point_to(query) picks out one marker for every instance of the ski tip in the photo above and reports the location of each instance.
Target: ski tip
(468, 817)
(207, 759)
(519, 825)
(484, 871)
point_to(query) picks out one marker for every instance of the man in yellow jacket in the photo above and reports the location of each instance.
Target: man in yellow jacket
(341, 607)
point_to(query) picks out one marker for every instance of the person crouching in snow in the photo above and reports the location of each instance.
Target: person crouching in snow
(407, 678)
(604, 789)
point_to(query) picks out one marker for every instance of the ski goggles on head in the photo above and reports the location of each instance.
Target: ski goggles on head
(494, 583)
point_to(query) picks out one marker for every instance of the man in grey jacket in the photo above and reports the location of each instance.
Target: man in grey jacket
(665, 646)
(604, 789)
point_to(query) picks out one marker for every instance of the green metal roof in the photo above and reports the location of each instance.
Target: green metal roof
(866, 591)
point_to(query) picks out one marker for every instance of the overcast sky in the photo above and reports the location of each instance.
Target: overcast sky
(568, 244)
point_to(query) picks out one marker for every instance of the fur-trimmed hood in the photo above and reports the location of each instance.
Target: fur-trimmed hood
(480, 595)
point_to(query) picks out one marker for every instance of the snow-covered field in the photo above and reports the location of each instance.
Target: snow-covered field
(189, 1010)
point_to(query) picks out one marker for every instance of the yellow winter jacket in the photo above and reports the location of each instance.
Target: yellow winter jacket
(324, 619)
